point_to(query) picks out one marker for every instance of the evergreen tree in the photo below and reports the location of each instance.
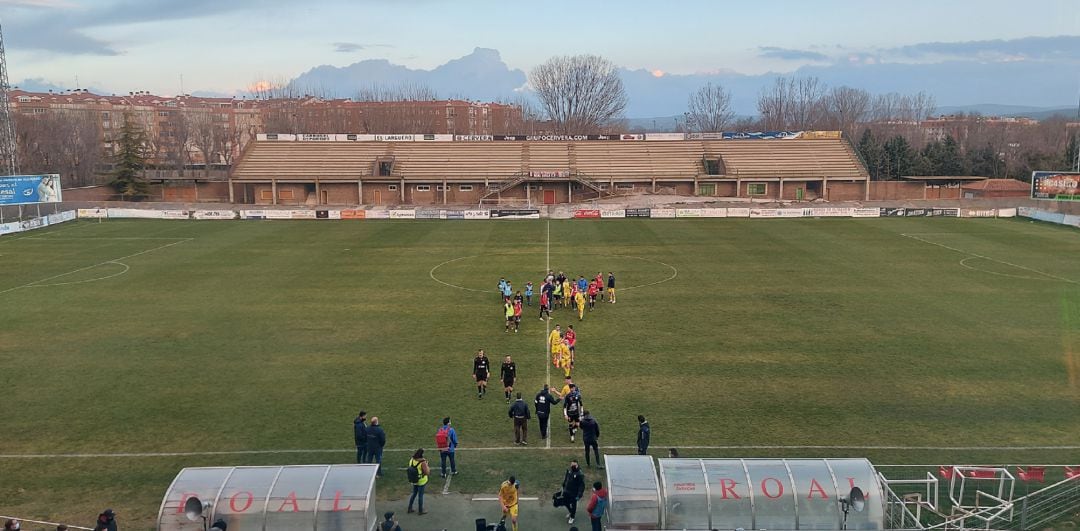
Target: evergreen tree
(899, 158)
(985, 162)
(870, 150)
(129, 160)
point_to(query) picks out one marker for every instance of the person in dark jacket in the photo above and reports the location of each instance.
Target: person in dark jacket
(573, 488)
(543, 402)
(642, 435)
(390, 524)
(376, 440)
(106, 521)
(360, 436)
(590, 434)
(519, 411)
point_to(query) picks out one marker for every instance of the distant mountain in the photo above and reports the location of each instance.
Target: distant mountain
(994, 109)
(40, 84)
(481, 75)
(1020, 86)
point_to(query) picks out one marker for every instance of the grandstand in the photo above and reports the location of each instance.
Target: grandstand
(342, 170)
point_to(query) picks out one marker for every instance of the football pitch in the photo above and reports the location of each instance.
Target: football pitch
(131, 349)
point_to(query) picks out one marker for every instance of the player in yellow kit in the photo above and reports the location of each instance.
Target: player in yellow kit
(554, 338)
(579, 298)
(508, 498)
(565, 360)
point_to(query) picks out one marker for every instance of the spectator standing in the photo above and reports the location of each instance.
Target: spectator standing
(543, 403)
(643, 433)
(519, 411)
(419, 479)
(446, 441)
(360, 436)
(106, 521)
(590, 434)
(573, 488)
(597, 506)
(12, 525)
(376, 441)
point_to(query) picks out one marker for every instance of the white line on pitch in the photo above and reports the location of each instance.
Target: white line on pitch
(547, 322)
(523, 449)
(1036, 271)
(446, 486)
(31, 284)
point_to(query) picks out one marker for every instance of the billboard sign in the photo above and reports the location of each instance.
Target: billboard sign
(1059, 186)
(29, 189)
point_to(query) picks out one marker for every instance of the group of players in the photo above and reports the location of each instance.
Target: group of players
(557, 291)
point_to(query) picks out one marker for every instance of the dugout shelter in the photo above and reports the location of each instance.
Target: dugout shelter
(774, 494)
(273, 498)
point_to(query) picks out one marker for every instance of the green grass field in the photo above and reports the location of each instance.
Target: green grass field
(142, 337)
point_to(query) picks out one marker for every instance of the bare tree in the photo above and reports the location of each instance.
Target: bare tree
(61, 141)
(405, 91)
(709, 109)
(581, 93)
(848, 107)
(207, 136)
(793, 103)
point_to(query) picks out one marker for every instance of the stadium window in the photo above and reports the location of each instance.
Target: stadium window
(423, 188)
(286, 194)
(266, 195)
(757, 188)
(392, 187)
(536, 187)
(602, 186)
(465, 188)
(163, 113)
(624, 186)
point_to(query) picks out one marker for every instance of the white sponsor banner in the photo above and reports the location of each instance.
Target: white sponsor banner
(434, 138)
(687, 212)
(252, 214)
(866, 212)
(301, 214)
(789, 212)
(53, 219)
(764, 213)
(395, 138)
(275, 136)
(10, 228)
(1073, 220)
(93, 213)
(277, 214)
(175, 214)
(664, 136)
(978, 213)
(134, 213)
(738, 212)
(378, 214)
(830, 212)
(402, 214)
(334, 214)
(1006, 212)
(214, 214)
(663, 212)
(714, 212)
(615, 213)
(477, 214)
(1026, 212)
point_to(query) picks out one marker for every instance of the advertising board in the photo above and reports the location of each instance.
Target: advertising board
(613, 213)
(29, 189)
(663, 213)
(587, 214)
(637, 212)
(1055, 185)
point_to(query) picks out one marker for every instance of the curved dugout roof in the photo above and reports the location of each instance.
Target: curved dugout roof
(274, 498)
(774, 494)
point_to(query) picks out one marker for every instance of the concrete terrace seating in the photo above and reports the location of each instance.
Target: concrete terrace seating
(308, 160)
(643, 160)
(787, 158)
(623, 160)
(438, 160)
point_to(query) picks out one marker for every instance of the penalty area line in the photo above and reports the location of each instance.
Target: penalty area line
(523, 449)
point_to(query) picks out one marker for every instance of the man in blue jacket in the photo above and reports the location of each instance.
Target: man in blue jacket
(376, 440)
(446, 441)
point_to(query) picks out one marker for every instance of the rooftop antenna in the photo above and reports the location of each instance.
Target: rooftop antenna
(181, 84)
(9, 164)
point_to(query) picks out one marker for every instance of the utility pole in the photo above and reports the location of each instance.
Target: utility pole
(9, 164)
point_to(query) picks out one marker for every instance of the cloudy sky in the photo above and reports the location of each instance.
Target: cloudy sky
(227, 45)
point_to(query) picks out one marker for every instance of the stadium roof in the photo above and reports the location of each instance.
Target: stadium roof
(943, 177)
(999, 185)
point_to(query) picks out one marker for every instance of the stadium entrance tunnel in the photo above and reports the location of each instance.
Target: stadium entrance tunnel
(774, 494)
(272, 498)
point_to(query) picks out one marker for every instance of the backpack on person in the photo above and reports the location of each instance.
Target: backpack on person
(442, 438)
(413, 473)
